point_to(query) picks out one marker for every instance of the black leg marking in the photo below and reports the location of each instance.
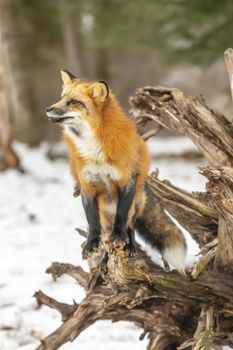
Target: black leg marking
(125, 199)
(131, 246)
(92, 214)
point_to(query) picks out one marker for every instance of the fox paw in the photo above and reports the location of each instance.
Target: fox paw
(131, 249)
(90, 247)
(118, 239)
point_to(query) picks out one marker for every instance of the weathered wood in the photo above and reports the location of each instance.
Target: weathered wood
(207, 258)
(65, 310)
(159, 303)
(208, 129)
(220, 189)
(203, 337)
(57, 270)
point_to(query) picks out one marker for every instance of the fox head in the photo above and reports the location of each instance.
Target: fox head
(81, 102)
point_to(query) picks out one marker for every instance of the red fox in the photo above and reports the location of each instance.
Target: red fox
(109, 161)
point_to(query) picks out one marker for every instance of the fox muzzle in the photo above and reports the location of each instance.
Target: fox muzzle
(57, 115)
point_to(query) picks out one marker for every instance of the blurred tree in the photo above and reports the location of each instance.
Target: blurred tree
(9, 61)
(71, 21)
(8, 157)
(89, 36)
(9, 90)
(37, 34)
(195, 31)
(191, 30)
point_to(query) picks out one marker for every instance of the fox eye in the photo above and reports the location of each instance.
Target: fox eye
(74, 102)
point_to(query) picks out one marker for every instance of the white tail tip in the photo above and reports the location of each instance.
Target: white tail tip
(175, 257)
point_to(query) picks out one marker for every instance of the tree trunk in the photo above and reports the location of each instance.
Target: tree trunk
(8, 157)
(101, 52)
(195, 312)
(8, 61)
(228, 55)
(72, 36)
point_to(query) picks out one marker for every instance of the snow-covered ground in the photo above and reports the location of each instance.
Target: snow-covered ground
(38, 215)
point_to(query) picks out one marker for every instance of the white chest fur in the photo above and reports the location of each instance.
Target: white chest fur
(102, 172)
(86, 143)
(88, 147)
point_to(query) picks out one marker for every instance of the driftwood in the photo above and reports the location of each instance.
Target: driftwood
(176, 312)
(210, 130)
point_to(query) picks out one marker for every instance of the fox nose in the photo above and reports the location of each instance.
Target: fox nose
(49, 109)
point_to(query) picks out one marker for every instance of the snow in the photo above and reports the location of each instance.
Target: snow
(38, 215)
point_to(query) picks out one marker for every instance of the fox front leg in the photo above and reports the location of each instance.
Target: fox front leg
(130, 247)
(120, 234)
(90, 206)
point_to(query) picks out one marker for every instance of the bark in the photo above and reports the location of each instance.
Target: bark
(175, 312)
(220, 188)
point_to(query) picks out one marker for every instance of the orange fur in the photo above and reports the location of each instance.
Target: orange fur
(121, 147)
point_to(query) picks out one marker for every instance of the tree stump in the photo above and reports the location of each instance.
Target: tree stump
(176, 312)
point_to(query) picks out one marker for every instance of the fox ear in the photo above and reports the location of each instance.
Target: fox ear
(67, 77)
(99, 91)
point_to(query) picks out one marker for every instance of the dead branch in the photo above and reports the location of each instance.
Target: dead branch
(64, 309)
(208, 129)
(207, 258)
(59, 269)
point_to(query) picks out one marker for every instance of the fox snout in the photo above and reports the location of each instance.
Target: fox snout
(49, 109)
(54, 111)
(57, 115)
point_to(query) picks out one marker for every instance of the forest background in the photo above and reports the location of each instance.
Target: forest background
(127, 43)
